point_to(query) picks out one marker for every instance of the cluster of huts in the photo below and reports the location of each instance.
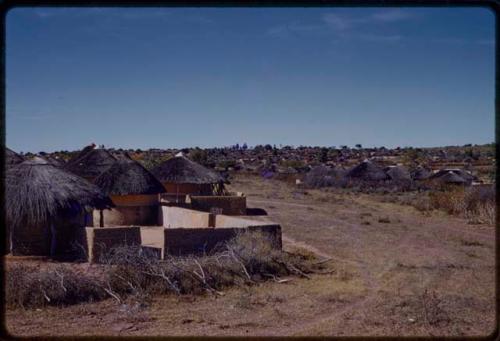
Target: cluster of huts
(370, 173)
(49, 203)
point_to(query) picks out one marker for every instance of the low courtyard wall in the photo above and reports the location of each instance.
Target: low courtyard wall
(197, 241)
(102, 239)
(182, 217)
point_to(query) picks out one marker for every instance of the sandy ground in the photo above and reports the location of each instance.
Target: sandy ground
(394, 270)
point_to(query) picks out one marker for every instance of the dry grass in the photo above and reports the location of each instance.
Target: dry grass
(477, 205)
(27, 286)
(134, 276)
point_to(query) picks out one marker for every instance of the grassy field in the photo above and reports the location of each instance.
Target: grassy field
(392, 271)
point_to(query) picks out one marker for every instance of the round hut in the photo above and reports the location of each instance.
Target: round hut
(12, 158)
(398, 173)
(452, 177)
(91, 164)
(367, 171)
(449, 178)
(324, 176)
(134, 192)
(420, 173)
(181, 176)
(47, 209)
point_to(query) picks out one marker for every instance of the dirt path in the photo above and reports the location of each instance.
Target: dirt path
(393, 248)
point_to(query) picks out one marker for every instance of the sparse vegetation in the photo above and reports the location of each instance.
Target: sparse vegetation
(129, 273)
(475, 204)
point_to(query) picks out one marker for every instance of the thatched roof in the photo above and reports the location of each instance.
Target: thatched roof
(398, 173)
(84, 151)
(92, 163)
(367, 170)
(459, 172)
(420, 173)
(122, 156)
(451, 177)
(323, 176)
(11, 157)
(126, 177)
(180, 169)
(35, 191)
(53, 161)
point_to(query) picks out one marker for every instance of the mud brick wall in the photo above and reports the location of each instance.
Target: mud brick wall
(181, 217)
(229, 205)
(128, 215)
(179, 241)
(228, 221)
(102, 239)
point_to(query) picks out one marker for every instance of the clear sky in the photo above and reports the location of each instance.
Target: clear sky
(180, 77)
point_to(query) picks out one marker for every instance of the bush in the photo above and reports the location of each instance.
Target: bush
(27, 286)
(129, 273)
(474, 203)
(246, 259)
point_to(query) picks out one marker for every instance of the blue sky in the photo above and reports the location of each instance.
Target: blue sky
(180, 77)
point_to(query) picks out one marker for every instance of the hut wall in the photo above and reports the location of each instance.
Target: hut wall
(229, 205)
(135, 200)
(128, 215)
(182, 189)
(130, 210)
(70, 236)
(31, 240)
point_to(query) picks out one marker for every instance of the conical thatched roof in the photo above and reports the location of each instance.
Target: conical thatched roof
(36, 191)
(323, 176)
(122, 156)
(92, 163)
(126, 177)
(451, 177)
(11, 157)
(459, 172)
(367, 170)
(180, 169)
(84, 151)
(398, 173)
(53, 161)
(420, 173)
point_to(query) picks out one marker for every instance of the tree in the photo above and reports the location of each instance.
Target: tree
(244, 147)
(258, 148)
(359, 146)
